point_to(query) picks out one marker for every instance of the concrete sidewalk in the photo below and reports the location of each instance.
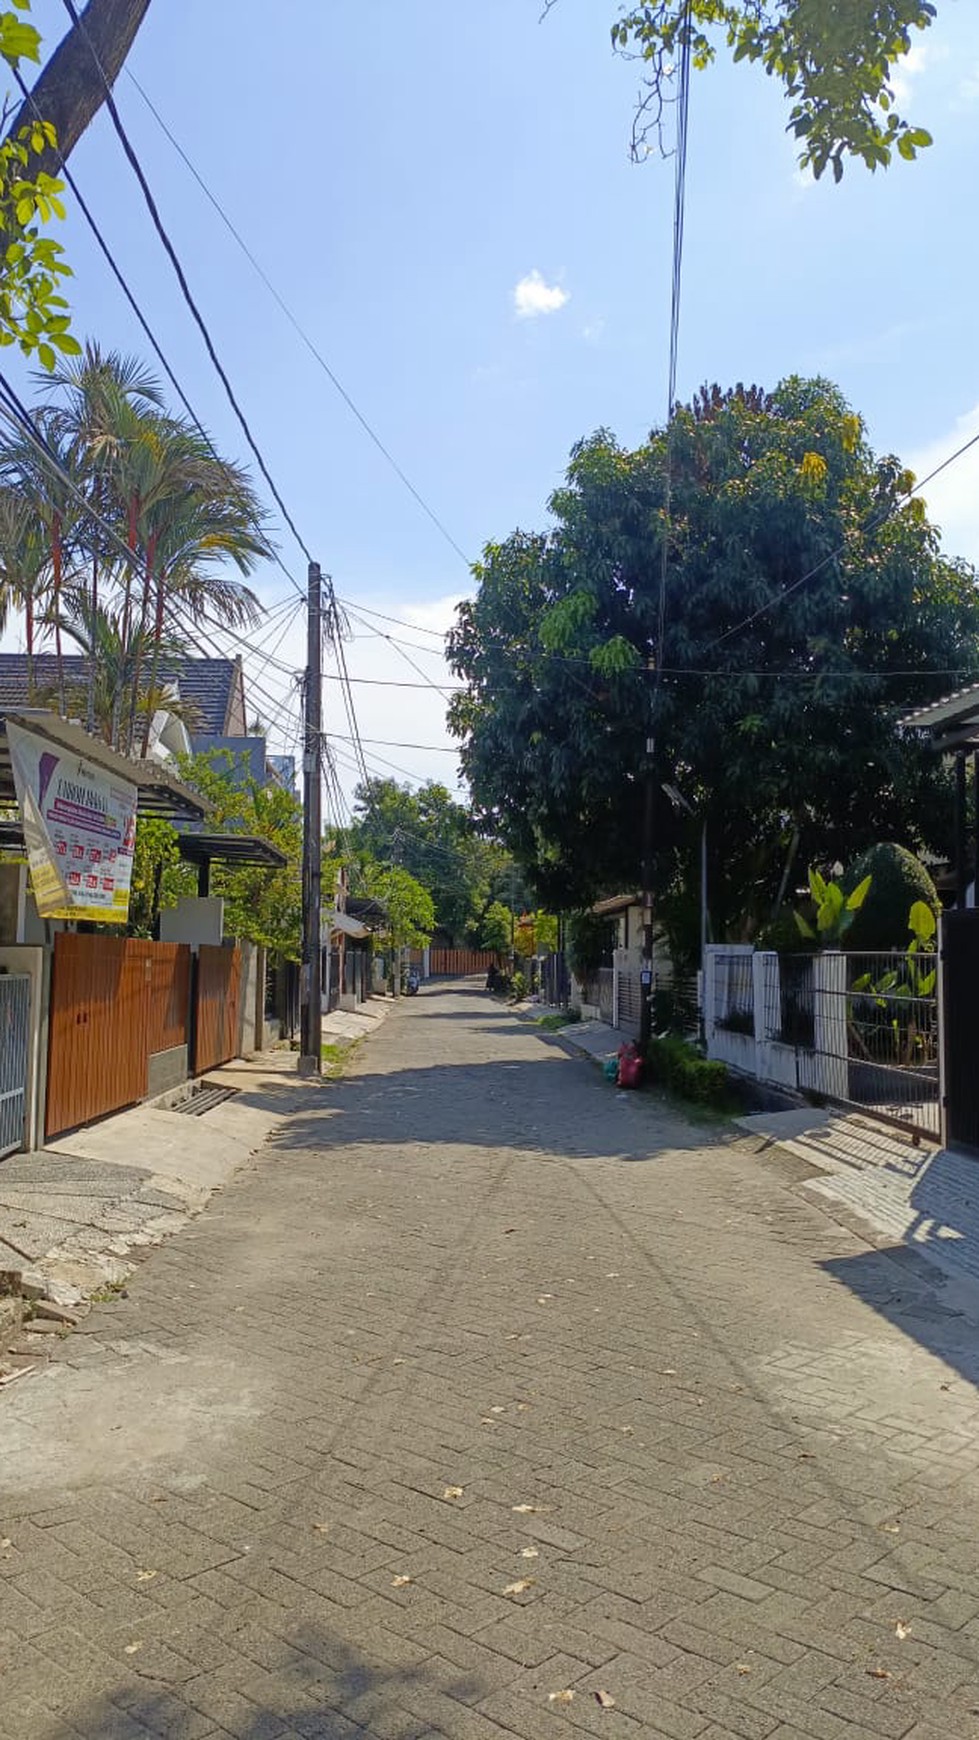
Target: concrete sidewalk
(75, 1216)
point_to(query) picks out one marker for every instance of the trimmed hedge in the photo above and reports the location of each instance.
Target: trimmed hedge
(897, 881)
(678, 1066)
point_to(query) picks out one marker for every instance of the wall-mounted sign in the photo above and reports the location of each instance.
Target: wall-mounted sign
(79, 828)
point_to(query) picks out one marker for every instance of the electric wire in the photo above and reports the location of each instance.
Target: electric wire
(181, 277)
(294, 322)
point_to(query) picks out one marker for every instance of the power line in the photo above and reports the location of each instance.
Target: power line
(185, 289)
(294, 322)
(130, 297)
(399, 621)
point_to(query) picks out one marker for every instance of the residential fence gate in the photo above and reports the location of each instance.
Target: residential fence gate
(861, 1029)
(960, 1022)
(15, 1022)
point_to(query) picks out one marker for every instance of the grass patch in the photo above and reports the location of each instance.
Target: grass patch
(337, 1053)
(563, 1018)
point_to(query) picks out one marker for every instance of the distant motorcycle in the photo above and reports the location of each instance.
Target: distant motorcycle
(412, 982)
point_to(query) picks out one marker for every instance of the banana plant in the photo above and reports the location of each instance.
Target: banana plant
(835, 910)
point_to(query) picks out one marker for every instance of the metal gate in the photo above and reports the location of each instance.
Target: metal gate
(960, 1023)
(15, 1022)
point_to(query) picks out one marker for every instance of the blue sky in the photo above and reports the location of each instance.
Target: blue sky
(401, 170)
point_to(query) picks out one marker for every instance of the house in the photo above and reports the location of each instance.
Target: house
(613, 993)
(952, 728)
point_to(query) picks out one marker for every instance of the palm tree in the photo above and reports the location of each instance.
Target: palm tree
(182, 513)
(23, 566)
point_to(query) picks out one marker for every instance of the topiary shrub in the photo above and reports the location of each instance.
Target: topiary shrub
(897, 881)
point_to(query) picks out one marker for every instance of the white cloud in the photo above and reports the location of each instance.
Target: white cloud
(592, 331)
(953, 498)
(907, 71)
(533, 296)
(967, 94)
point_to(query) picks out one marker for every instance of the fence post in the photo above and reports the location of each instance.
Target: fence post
(758, 1007)
(710, 994)
(615, 991)
(831, 1047)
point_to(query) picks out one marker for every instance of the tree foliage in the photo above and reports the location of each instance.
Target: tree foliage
(807, 606)
(429, 833)
(264, 906)
(837, 63)
(409, 907)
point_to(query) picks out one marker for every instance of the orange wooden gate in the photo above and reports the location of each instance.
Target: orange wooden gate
(217, 1006)
(114, 1001)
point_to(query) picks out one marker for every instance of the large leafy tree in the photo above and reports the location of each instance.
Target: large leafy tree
(836, 59)
(807, 606)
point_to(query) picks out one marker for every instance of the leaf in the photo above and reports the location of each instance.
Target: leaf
(805, 928)
(922, 921)
(877, 1673)
(859, 895)
(605, 1699)
(520, 1586)
(400, 1582)
(902, 1629)
(565, 1697)
(133, 1648)
(146, 1576)
(452, 1492)
(321, 1528)
(529, 1509)
(530, 1552)
(744, 1667)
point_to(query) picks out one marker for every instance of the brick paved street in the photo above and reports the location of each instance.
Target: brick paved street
(485, 1383)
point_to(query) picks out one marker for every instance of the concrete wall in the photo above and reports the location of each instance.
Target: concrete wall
(167, 1070)
(252, 999)
(36, 963)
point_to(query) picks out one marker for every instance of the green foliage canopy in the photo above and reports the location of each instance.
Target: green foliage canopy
(836, 61)
(807, 608)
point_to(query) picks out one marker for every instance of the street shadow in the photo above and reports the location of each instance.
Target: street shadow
(908, 1291)
(501, 1104)
(302, 1681)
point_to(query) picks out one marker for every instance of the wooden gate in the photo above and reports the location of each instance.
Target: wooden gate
(217, 1005)
(114, 1000)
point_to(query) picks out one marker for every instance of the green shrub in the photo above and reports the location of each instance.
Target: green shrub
(898, 880)
(518, 987)
(681, 1068)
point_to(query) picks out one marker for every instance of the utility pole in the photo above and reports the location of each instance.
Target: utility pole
(311, 1048)
(648, 805)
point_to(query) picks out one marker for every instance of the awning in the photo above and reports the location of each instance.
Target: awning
(238, 849)
(953, 722)
(341, 922)
(158, 792)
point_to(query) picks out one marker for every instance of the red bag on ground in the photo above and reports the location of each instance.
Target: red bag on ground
(630, 1066)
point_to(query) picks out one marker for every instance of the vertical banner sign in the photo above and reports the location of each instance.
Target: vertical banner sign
(79, 828)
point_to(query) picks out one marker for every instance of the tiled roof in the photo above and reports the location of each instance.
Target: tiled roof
(205, 685)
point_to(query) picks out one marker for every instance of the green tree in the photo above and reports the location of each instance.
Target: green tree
(409, 907)
(262, 905)
(836, 61)
(432, 835)
(496, 928)
(807, 606)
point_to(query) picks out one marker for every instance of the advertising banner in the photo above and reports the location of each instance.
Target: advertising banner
(79, 828)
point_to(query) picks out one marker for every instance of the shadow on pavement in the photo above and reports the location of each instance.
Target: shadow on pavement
(308, 1684)
(906, 1290)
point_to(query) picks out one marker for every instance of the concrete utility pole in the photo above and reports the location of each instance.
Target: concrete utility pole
(648, 818)
(311, 1050)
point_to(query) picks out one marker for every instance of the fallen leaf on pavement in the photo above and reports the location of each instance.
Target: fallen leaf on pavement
(529, 1509)
(146, 1576)
(519, 1587)
(605, 1699)
(668, 1371)
(890, 1528)
(542, 1298)
(805, 1456)
(321, 1528)
(131, 1648)
(452, 1492)
(744, 1667)
(878, 1674)
(628, 1430)
(497, 1410)
(566, 1697)
(5, 1543)
(399, 1582)
(529, 1553)
(902, 1629)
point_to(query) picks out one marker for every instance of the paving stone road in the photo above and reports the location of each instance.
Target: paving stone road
(484, 1385)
